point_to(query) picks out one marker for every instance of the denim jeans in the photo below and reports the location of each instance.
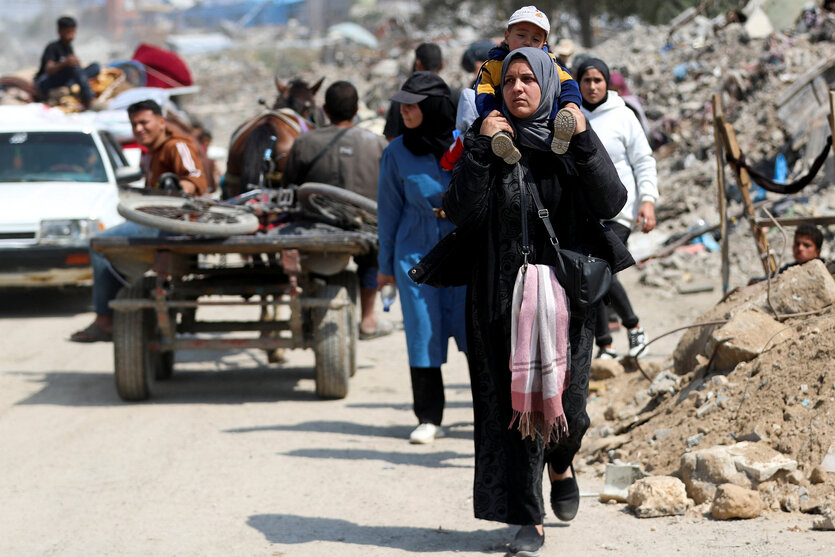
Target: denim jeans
(106, 280)
(67, 77)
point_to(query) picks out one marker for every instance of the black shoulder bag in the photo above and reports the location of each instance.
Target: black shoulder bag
(586, 279)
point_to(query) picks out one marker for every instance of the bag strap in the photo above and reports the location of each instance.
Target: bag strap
(321, 153)
(523, 204)
(541, 211)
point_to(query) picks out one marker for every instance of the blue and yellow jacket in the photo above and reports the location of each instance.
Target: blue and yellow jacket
(488, 83)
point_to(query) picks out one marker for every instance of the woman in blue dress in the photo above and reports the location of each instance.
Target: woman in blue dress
(410, 223)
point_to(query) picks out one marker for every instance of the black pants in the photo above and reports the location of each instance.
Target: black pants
(428, 394)
(619, 300)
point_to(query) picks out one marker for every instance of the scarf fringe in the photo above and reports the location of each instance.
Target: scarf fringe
(532, 424)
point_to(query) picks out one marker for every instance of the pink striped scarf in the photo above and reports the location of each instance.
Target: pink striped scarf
(539, 353)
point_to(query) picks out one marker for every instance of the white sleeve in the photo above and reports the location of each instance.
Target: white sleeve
(639, 155)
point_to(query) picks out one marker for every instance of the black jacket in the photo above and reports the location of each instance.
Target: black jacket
(580, 189)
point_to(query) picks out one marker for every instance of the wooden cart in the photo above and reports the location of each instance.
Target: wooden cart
(155, 315)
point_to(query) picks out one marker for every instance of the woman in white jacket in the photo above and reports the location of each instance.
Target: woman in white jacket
(625, 141)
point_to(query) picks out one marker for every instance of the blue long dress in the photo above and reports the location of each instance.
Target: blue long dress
(410, 186)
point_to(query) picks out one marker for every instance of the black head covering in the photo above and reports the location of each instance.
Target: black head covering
(598, 65)
(589, 63)
(432, 95)
(477, 52)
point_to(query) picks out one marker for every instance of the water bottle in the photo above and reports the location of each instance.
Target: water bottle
(387, 295)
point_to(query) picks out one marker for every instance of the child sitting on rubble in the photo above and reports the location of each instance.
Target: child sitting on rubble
(527, 26)
(807, 245)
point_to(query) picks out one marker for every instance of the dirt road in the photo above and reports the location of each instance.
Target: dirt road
(232, 457)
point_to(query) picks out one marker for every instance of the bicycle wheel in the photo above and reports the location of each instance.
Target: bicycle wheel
(338, 206)
(186, 216)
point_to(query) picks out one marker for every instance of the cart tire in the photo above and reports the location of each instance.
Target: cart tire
(338, 206)
(184, 216)
(331, 345)
(349, 280)
(132, 360)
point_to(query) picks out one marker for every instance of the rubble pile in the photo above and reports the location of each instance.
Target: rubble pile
(745, 385)
(677, 75)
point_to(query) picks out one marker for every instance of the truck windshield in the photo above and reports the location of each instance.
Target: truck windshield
(50, 157)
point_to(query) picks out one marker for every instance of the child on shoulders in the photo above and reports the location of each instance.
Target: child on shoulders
(529, 27)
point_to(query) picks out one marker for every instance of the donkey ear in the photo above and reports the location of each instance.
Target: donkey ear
(281, 87)
(316, 85)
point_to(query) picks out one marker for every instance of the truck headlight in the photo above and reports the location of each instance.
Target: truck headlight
(67, 231)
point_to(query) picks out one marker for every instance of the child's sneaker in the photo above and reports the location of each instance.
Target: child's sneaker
(503, 147)
(563, 130)
(637, 341)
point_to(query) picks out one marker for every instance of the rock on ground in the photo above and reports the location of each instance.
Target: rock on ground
(733, 501)
(657, 496)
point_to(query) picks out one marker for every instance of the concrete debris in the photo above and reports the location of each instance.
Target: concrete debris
(743, 464)
(657, 496)
(619, 477)
(732, 501)
(799, 289)
(742, 338)
(664, 382)
(827, 522)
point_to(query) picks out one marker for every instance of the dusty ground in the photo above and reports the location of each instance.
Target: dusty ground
(232, 457)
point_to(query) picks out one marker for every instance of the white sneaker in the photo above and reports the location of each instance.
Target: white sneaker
(425, 433)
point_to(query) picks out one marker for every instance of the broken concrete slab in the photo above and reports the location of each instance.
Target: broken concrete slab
(658, 496)
(732, 501)
(743, 337)
(618, 479)
(802, 288)
(799, 289)
(744, 464)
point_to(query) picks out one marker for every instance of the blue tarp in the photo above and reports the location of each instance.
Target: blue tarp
(245, 13)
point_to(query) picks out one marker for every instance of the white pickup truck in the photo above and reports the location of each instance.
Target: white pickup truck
(59, 181)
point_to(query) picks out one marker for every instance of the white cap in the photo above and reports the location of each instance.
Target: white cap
(532, 15)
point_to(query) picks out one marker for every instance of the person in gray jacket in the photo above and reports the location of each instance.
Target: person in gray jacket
(348, 157)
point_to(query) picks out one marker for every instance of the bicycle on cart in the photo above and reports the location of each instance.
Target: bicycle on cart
(283, 250)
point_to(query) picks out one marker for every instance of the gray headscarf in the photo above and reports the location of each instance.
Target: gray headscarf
(535, 131)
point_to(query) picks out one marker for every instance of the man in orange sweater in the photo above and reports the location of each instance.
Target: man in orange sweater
(166, 152)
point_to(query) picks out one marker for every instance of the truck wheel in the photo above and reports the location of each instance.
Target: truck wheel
(348, 279)
(133, 362)
(331, 345)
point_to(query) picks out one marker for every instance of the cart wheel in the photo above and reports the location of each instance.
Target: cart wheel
(133, 362)
(331, 345)
(187, 216)
(349, 280)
